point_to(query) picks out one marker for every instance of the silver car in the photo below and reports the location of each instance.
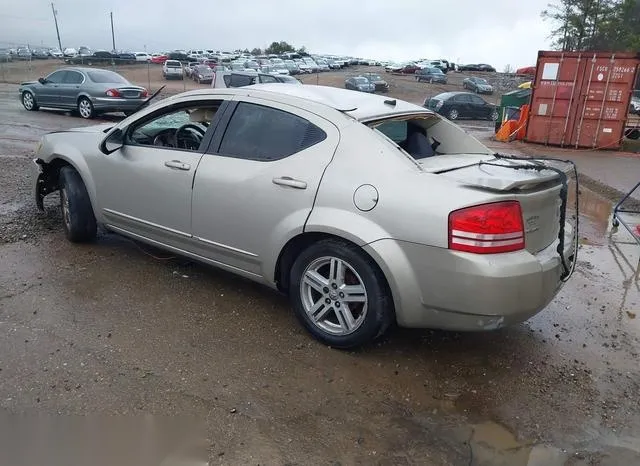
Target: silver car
(366, 211)
(90, 91)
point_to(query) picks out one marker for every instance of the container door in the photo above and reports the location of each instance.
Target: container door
(553, 101)
(603, 102)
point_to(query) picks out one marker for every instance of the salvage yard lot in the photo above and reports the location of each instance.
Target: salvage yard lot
(403, 87)
(115, 327)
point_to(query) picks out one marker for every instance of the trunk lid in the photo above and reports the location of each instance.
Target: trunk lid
(131, 92)
(538, 189)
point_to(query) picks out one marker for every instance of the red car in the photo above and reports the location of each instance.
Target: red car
(409, 69)
(526, 71)
(159, 59)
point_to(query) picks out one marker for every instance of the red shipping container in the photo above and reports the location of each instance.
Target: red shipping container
(581, 99)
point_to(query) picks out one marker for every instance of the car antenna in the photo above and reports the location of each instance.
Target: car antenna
(390, 102)
(146, 102)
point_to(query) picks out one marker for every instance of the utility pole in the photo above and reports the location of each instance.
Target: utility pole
(113, 37)
(55, 18)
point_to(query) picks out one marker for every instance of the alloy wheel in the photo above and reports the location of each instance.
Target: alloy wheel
(333, 296)
(27, 100)
(453, 114)
(84, 107)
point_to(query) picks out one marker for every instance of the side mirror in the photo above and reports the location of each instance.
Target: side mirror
(112, 142)
(42, 81)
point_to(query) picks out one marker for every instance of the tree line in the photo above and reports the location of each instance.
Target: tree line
(608, 25)
(276, 48)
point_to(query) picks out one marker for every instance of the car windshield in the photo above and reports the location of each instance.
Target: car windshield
(374, 77)
(105, 76)
(435, 71)
(361, 80)
(481, 81)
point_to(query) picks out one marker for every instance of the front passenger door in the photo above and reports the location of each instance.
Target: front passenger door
(48, 94)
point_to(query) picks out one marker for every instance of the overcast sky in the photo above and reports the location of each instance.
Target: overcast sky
(498, 32)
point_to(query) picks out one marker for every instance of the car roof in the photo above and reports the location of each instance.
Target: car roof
(448, 95)
(359, 105)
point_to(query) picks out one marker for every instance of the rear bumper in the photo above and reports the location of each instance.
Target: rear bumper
(439, 288)
(113, 104)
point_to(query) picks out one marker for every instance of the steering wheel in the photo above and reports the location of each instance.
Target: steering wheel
(189, 133)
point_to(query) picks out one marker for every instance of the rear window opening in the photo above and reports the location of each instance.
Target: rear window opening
(426, 136)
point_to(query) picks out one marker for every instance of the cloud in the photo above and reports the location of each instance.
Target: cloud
(498, 32)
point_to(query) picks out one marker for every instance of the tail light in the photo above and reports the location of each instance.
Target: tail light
(439, 104)
(144, 93)
(487, 229)
(113, 93)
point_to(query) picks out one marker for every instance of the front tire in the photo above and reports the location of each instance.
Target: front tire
(340, 295)
(85, 108)
(29, 101)
(78, 220)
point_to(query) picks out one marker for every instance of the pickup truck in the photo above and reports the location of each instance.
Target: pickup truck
(95, 58)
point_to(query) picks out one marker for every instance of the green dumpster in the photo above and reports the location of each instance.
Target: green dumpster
(510, 103)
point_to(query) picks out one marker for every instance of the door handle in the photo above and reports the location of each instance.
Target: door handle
(291, 182)
(177, 164)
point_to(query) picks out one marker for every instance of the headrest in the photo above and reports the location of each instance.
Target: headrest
(202, 115)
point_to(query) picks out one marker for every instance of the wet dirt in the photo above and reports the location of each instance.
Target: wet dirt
(117, 328)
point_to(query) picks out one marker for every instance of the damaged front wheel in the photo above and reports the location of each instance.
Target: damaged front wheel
(77, 214)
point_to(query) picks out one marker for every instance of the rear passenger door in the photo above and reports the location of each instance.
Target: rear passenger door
(255, 186)
(70, 88)
(480, 108)
(463, 104)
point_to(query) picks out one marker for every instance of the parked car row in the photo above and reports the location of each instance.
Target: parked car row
(28, 53)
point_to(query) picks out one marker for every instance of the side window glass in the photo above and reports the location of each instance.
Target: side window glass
(56, 77)
(73, 77)
(182, 128)
(267, 79)
(256, 132)
(477, 100)
(394, 130)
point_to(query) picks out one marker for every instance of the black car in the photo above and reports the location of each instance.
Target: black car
(202, 74)
(126, 57)
(41, 54)
(97, 58)
(455, 105)
(431, 74)
(477, 67)
(180, 56)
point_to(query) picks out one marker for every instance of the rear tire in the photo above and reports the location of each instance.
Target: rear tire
(351, 318)
(453, 114)
(78, 220)
(85, 108)
(29, 101)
